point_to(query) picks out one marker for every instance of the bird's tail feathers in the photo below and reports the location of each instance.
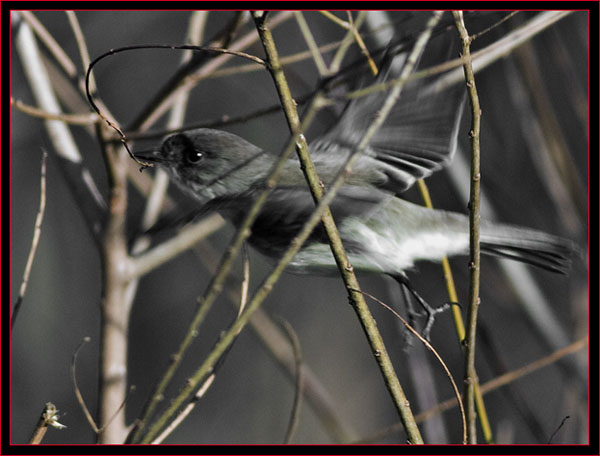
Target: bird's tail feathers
(529, 246)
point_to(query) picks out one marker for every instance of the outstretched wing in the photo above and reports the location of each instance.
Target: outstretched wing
(417, 139)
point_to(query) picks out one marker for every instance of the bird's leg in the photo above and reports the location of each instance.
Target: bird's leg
(430, 311)
(412, 315)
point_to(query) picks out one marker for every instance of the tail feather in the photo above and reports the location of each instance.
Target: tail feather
(537, 248)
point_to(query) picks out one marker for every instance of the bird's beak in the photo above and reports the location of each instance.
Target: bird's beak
(151, 156)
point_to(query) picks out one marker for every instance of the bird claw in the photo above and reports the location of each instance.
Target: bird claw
(431, 312)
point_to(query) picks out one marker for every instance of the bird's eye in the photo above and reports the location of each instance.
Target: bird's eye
(192, 155)
(180, 147)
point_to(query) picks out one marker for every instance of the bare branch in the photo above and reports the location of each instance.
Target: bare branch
(37, 231)
(470, 376)
(185, 239)
(74, 119)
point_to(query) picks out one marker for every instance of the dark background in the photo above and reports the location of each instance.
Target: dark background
(251, 399)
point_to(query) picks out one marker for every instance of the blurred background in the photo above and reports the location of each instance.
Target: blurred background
(535, 115)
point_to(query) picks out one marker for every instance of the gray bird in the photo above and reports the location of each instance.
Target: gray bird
(381, 232)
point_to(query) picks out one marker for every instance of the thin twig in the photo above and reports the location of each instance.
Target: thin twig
(493, 26)
(564, 420)
(336, 62)
(470, 376)
(311, 43)
(353, 29)
(298, 391)
(342, 47)
(49, 417)
(435, 353)
(222, 39)
(73, 119)
(361, 44)
(37, 231)
(81, 45)
(514, 375)
(78, 394)
(249, 68)
(111, 123)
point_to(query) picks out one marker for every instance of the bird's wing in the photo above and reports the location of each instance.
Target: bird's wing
(417, 139)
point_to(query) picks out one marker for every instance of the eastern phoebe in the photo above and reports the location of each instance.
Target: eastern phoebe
(381, 232)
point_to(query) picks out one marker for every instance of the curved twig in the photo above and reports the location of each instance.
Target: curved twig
(295, 415)
(435, 353)
(78, 395)
(150, 46)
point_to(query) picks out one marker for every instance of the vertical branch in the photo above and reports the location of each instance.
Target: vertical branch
(114, 337)
(116, 302)
(115, 306)
(119, 290)
(474, 263)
